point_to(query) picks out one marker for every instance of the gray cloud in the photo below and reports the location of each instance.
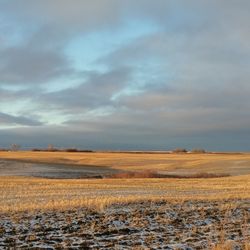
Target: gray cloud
(6, 119)
(70, 137)
(64, 15)
(186, 80)
(96, 92)
(27, 66)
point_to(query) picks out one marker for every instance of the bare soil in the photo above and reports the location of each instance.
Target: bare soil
(162, 225)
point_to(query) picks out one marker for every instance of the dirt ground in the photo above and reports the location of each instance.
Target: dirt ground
(162, 225)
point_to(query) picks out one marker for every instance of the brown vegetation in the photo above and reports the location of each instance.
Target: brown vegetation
(198, 151)
(67, 150)
(154, 174)
(179, 150)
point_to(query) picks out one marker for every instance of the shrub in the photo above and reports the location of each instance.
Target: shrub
(135, 174)
(179, 150)
(207, 175)
(198, 151)
(71, 150)
(36, 150)
(153, 174)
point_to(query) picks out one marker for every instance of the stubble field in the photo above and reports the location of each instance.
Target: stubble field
(145, 213)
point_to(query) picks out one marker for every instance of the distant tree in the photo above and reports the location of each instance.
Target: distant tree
(15, 147)
(71, 150)
(179, 150)
(51, 147)
(36, 149)
(198, 151)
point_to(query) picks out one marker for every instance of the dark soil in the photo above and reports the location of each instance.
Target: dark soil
(190, 225)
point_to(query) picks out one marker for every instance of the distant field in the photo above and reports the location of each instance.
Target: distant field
(232, 164)
(166, 213)
(16, 191)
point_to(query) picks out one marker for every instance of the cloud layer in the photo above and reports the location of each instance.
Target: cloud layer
(125, 74)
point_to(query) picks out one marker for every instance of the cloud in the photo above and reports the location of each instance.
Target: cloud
(97, 91)
(75, 15)
(6, 119)
(187, 78)
(68, 136)
(27, 66)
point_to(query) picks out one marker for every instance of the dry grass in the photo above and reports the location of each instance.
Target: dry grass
(19, 194)
(136, 175)
(229, 246)
(233, 164)
(24, 193)
(154, 174)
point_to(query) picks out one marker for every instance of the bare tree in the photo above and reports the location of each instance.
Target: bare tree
(51, 147)
(15, 147)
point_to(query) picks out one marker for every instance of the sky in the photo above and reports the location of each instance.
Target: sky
(125, 75)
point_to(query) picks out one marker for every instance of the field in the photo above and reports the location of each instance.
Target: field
(233, 164)
(84, 212)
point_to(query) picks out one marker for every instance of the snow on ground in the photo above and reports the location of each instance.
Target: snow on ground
(145, 225)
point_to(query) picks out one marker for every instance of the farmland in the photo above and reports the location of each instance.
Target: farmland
(233, 164)
(106, 213)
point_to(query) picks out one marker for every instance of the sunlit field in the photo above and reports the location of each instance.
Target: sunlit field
(21, 193)
(232, 164)
(127, 213)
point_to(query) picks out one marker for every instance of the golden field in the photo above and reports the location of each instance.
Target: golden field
(27, 193)
(21, 193)
(233, 164)
(201, 213)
